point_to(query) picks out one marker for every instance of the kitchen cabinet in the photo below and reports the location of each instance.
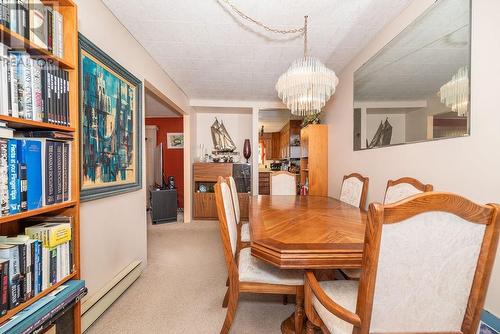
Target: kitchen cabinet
(264, 183)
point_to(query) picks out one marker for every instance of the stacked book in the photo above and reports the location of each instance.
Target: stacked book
(33, 89)
(34, 171)
(43, 25)
(35, 261)
(40, 315)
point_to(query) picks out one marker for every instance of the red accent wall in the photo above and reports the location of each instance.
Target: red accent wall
(173, 159)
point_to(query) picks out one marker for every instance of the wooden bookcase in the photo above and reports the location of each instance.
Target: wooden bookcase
(314, 158)
(11, 225)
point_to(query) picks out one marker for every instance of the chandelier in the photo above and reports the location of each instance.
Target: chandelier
(455, 93)
(307, 84)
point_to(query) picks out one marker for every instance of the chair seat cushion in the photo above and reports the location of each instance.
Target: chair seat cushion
(352, 273)
(344, 293)
(245, 232)
(254, 270)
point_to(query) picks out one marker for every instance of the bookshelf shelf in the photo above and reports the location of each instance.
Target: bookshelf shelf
(31, 213)
(12, 225)
(20, 123)
(16, 41)
(44, 293)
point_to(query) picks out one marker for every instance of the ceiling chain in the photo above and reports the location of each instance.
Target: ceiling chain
(246, 17)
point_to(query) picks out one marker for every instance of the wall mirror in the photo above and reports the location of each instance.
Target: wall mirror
(417, 87)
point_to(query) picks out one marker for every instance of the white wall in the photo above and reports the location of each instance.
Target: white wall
(239, 127)
(113, 230)
(468, 166)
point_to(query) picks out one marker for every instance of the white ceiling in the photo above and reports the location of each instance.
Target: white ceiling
(420, 59)
(157, 108)
(211, 54)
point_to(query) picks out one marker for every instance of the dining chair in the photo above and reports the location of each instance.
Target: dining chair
(395, 191)
(404, 187)
(354, 190)
(283, 183)
(243, 226)
(247, 274)
(426, 263)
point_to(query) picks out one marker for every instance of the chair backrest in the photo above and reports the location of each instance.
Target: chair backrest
(354, 190)
(236, 201)
(404, 187)
(426, 264)
(283, 183)
(227, 219)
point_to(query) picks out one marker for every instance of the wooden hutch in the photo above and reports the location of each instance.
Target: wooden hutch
(205, 176)
(314, 158)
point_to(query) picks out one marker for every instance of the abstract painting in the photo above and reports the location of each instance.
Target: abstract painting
(110, 125)
(175, 140)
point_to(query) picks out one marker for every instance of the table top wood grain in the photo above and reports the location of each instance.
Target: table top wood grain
(306, 232)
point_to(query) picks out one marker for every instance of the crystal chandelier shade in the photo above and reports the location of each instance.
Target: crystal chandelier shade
(306, 86)
(455, 93)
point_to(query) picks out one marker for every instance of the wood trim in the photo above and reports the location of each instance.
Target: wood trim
(437, 201)
(364, 191)
(414, 182)
(329, 304)
(483, 272)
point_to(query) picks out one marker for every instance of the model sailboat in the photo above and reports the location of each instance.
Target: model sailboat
(221, 139)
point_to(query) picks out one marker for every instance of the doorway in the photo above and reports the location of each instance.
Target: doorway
(164, 159)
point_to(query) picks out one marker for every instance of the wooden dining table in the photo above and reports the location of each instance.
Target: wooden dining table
(306, 232)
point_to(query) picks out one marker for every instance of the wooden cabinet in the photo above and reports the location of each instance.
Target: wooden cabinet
(264, 183)
(204, 206)
(314, 158)
(275, 143)
(206, 174)
(210, 172)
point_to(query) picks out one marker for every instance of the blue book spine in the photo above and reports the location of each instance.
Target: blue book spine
(13, 176)
(36, 268)
(30, 154)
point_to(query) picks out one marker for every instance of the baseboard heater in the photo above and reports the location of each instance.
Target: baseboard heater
(96, 304)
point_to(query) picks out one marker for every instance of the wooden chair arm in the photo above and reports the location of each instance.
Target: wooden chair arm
(329, 304)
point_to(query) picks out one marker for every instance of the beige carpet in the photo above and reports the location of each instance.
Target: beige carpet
(182, 288)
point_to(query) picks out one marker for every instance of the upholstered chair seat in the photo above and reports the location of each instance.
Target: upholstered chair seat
(403, 188)
(344, 293)
(254, 270)
(395, 191)
(354, 189)
(283, 183)
(245, 233)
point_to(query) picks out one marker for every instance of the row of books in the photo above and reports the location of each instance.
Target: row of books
(32, 88)
(34, 261)
(41, 24)
(34, 172)
(40, 316)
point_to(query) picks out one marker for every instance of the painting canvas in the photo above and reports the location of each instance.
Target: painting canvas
(110, 120)
(175, 140)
